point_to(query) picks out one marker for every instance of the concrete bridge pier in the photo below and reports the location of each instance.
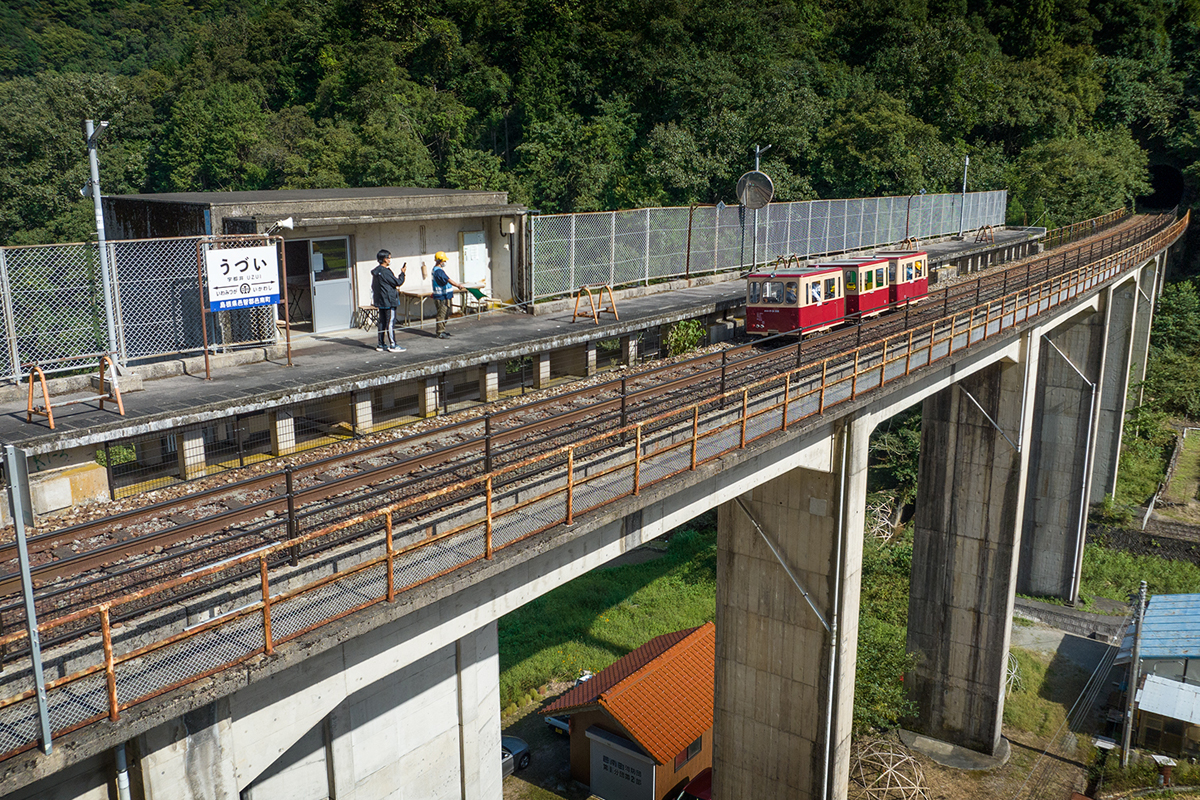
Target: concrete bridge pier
(1148, 277)
(784, 691)
(1121, 307)
(1066, 401)
(967, 530)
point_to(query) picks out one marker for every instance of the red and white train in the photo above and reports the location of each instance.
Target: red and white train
(790, 299)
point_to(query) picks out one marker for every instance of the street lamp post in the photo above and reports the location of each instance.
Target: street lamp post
(93, 137)
(962, 211)
(908, 212)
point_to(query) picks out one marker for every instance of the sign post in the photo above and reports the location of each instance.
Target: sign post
(237, 277)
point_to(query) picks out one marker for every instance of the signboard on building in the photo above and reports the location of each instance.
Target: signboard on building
(242, 277)
(619, 770)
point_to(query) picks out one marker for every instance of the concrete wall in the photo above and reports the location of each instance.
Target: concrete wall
(382, 730)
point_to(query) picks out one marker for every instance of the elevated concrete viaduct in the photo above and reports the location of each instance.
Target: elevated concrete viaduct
(402, 701)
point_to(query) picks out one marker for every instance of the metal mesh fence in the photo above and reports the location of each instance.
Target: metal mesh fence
(55, 313)
(648, 244)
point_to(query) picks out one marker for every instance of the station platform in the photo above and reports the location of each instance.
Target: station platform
(176, 393)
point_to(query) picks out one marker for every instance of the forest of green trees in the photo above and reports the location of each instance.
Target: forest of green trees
(573, 106)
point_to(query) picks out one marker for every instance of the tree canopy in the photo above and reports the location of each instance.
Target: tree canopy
(572, 106)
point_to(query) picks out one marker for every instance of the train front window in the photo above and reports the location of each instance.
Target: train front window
(789, 295)
(831, 288)
(772, 292)
(754, 291)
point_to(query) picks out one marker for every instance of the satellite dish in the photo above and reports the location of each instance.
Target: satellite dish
(755, 190)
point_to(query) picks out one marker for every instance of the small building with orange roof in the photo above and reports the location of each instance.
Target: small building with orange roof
(642, 727)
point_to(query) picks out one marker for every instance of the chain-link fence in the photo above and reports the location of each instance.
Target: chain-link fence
(55, 314)
(648, 244)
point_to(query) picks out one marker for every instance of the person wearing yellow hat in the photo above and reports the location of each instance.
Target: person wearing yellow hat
(443, 292)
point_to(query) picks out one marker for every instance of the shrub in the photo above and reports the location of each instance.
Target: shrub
(684, 337)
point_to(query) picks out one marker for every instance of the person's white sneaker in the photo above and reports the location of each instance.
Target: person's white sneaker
(380, 349)
(396, 349)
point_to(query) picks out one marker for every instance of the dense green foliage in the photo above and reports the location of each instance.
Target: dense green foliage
(573, 106)
(602, 615)
(1116, 574)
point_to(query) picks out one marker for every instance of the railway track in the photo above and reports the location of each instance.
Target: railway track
(99, 560)
(376, 522)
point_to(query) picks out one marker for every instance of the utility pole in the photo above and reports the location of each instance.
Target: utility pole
(1131, 690)
(93, 188)
(962, 211)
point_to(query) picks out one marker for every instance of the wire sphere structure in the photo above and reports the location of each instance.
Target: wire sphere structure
(1013, 682)
(884, 770)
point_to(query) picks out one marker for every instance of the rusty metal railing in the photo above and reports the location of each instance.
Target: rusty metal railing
(273, 601)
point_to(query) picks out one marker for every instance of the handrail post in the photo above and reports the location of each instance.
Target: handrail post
(854, 375)
(695, 431)
(745, 407)
(110, 669)
(487, 443)
(293, 524)
(824, 373)
(487, 547)
(787, 395)
(637, 462)
(268, 643)
(723, 362)
(570, 485)
(391, 554)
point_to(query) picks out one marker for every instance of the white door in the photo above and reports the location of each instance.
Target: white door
(332, 299)
(474, 257)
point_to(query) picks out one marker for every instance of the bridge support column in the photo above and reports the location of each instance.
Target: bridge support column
(1147, 291)
(1061, 449)
(1121, 303)
(541, 370)
(964, 556)
(784, 692)
(427, 397)
(189, 446)
(283, 432)
(629, 350)
(489, 382)
(362, 414)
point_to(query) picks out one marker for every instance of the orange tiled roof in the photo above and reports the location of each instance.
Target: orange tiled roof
(661, 693)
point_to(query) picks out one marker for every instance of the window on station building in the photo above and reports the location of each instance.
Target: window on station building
(688, 753)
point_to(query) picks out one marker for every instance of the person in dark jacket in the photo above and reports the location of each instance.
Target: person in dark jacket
(385, 295)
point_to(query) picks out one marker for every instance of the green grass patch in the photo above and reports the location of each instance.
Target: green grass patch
(1142, 773)
(1115, 574)
(1042, 703)
(1187, 471)
(595, 619)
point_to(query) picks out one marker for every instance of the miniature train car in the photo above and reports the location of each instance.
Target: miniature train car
(868, 291)
(792, 299)
(908, 275)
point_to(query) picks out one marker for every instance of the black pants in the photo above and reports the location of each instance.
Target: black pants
(387, 320)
